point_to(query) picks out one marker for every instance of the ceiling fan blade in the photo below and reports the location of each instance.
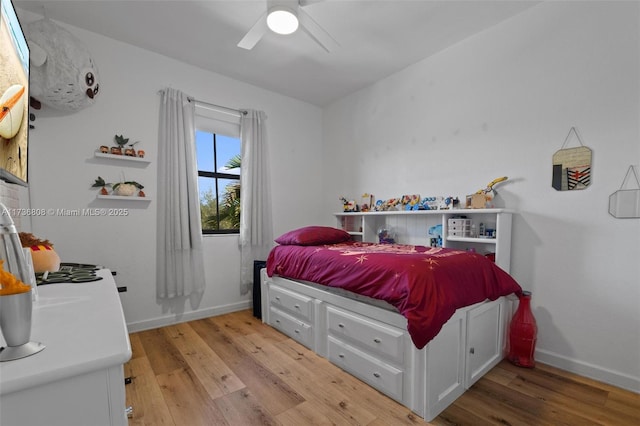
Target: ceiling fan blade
(316, 32)
(253, 36)
(304, 3)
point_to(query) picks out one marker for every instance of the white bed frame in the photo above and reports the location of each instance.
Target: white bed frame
(369, 339)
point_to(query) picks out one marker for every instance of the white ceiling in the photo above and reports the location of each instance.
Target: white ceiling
(377, 38)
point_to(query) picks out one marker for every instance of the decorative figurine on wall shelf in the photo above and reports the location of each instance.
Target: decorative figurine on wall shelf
(483, 198)
(131, 151)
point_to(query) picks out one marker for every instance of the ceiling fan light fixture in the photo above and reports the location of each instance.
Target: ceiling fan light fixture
(283, 21)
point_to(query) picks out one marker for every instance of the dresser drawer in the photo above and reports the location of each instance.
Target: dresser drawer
(373, 336)
(292, 327)
(385, 378)
(296, 304)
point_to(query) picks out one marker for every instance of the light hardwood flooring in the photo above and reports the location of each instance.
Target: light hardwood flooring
(234, 370)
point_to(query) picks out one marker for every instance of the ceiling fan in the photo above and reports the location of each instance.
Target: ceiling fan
(285, 17)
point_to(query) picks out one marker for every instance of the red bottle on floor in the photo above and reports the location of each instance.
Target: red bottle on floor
(523, 333)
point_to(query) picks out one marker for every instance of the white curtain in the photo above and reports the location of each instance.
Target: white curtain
(256, 227)
(180, 265)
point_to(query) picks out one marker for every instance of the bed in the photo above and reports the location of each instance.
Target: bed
(420, 324)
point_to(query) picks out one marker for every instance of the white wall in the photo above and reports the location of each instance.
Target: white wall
(62, 169)
(501, 103)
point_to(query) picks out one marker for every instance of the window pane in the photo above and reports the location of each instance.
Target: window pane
(219, 197)
(204, 151)
(229, 203)
(228, 151)
(208, 202)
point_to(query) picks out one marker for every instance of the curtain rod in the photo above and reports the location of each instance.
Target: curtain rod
(192, 99)
(239, 111)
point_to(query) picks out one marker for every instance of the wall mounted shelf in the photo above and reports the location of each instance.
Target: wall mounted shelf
(99, 154)
(123, 197)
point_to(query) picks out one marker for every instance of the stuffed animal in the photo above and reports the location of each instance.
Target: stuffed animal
(63, 74)
(43, 255)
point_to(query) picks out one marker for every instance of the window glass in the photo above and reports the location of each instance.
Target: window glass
(204, 148)
(218, 158)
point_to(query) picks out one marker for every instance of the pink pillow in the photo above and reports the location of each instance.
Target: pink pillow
(313, 236)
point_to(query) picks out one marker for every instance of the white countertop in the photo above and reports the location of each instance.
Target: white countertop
(83, 328)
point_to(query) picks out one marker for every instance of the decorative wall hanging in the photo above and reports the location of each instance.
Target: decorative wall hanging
(625, 203)
(571, 166)
(63, 74)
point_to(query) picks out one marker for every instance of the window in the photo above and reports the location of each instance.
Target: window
(218, 158)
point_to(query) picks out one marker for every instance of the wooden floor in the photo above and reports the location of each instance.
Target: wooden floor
(234, 370)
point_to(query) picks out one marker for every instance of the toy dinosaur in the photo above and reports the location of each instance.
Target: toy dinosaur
(491, 184)
(483, 197)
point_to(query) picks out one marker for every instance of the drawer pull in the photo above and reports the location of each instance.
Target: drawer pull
(341, 325)
(340, 355)
(278, 298)
(296, 306)
(376, 375)
(376, 340)
(472, 351)
(278, 321)
(296, 331)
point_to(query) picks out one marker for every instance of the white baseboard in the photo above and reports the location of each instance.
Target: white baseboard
(188, 316)
(591, 371)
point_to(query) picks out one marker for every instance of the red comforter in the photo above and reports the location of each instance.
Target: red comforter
(425, 284)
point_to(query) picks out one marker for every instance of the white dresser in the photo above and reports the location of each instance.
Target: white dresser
(78, 378)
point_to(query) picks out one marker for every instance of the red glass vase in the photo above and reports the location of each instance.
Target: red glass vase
(523, 333)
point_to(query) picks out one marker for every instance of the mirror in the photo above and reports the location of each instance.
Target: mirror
(625, 203)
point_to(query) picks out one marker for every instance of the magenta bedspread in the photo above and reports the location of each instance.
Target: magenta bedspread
(425, 284)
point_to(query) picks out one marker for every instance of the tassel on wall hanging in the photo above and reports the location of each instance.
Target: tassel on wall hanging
(625, 203)
(571, 166)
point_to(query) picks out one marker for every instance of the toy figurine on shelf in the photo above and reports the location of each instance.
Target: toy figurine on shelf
(483, 198)
(367, 202)
(449, 203)
(348, 205)
(410, 202)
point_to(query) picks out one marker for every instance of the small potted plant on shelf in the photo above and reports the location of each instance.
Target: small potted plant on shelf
(121, 141)
(100, 183)
(127, 188)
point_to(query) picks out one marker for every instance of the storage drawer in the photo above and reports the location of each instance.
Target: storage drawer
(296, 304)
(385, 378)
(372, 336)
(292, 327)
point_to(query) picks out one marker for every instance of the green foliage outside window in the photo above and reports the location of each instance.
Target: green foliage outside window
(223, 216)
